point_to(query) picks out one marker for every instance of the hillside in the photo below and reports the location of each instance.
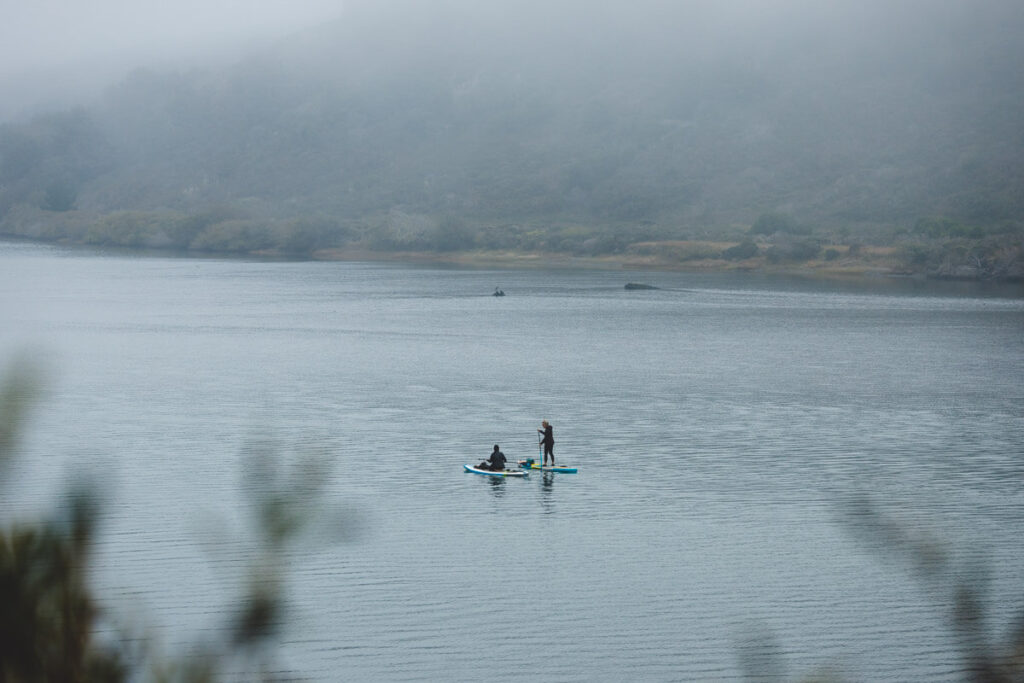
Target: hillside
(583, 128)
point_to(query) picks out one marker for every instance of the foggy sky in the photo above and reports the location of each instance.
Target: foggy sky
(53, 52)
(43, 34)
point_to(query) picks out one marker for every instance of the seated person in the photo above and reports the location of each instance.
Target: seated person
(496, 463)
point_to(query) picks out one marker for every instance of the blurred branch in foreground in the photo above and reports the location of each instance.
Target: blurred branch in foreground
(19, 388)
(49, 617)
(957, 580)
(47, 614)
(961, 583)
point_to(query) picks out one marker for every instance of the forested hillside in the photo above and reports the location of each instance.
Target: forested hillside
(582, 127)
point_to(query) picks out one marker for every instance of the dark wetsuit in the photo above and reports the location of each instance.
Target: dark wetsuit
(549, 444)
(497, 461)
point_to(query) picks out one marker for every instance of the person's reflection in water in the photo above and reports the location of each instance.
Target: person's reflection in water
(547, 486)
(497, 485)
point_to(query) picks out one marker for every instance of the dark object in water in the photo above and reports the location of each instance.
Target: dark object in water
(498, 292)
(637, 285)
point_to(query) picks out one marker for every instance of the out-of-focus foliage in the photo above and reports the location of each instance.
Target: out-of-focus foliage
(47, 612)
(959, 583)
(49, 615)
(19, 388)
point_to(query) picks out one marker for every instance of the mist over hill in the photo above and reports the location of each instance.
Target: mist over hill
(572, 125)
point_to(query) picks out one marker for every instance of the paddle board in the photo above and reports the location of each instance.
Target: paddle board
(531, 465)
(490, 473)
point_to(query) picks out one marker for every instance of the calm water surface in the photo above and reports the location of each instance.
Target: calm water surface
(721, 424)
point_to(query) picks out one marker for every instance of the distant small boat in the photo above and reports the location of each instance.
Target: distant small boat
(637, 285)
(498, 292)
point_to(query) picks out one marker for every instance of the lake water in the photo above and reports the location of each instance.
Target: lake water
(722, 425)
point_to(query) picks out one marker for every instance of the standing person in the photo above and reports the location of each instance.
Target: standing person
(548, 441)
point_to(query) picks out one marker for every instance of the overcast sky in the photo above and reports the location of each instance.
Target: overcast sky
(55, 33)
(55, 53)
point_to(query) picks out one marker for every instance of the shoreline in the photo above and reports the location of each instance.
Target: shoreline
(517, 259)
(854, 272)
(512, 259)
(875, 265)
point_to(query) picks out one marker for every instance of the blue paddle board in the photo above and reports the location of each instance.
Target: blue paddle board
(531, 465)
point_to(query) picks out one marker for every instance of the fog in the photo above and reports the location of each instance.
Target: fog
(53, 52)
(56, 53)
(47, 33)
(454, 124)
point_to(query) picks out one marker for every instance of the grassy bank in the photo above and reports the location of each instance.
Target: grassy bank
(694, 256)
(991, 258)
